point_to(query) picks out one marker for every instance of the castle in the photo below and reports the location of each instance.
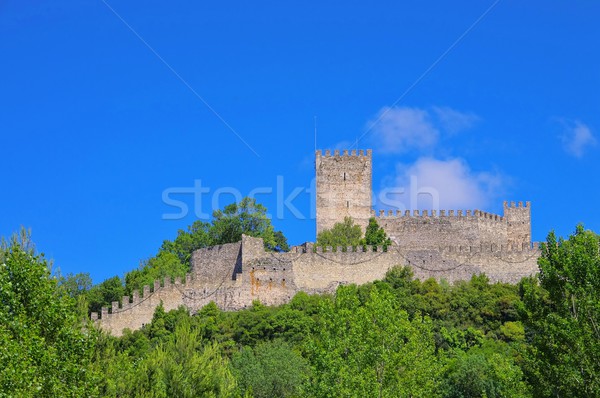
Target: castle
(449, 245)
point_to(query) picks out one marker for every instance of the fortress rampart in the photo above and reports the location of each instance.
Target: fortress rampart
(451, 245)
(246, 272)
(426, 228)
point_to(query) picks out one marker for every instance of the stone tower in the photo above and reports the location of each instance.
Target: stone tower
(343, 187)
(518, 219)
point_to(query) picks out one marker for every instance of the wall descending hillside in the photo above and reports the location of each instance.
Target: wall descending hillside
(236, 274)
(135, 312)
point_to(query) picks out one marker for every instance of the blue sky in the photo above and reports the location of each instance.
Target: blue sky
(104, 106)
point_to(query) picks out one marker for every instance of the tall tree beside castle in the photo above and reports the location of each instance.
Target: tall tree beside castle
(375, 235)
(245, 218)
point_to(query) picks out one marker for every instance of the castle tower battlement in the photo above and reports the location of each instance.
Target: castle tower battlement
(518, 218)
(343, 187)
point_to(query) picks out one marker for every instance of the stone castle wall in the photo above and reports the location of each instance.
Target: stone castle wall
(451, 228)
(446, 245)
(250, 273)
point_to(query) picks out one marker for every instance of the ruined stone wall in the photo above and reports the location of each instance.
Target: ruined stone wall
(506, 264)
(343, 188)
(231, 275)
(274, 278)
(492, 228)
(217, 264)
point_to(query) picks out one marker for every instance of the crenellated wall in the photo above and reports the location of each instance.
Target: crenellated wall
(137, 310)
(245, 272)
(457, 227)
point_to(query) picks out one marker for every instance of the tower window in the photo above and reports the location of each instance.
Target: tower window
(344, 176)
(348, 204)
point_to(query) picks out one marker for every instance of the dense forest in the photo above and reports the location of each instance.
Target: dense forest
(398, 337)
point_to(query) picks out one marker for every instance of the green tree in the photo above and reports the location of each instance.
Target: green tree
(375, 235)
(562, 317)
(342, 234)
(45, 351)
(183, 367)
(164, 265)
(489, 371)
(372, 349)
(179, 364)
(271, 369)
(103, 294)
(281, 243)
(75, 284)
(248, 218)
(196, 237)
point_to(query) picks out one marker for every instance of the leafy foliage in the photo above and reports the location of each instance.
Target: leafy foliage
(178, 366)
(484, 371)
(271, 369)
(249, 218)
(164, 265)
(196, 237)
(348, 233)
(75, 284)
(342, 234)
(562, 317)
(104, 293)
(372, 349)
(44, 350)
(375, 235)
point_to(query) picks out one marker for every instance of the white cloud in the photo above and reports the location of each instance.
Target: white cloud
(577, 138)
(443, 184)
(400, 129)
(453, 121)
(430, 183)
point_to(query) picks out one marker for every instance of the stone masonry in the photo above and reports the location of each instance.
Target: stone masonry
(449, 245)
(343, 188)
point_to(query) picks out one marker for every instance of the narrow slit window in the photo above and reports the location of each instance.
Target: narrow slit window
(344, 176)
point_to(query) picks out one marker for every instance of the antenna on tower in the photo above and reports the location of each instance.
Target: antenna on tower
(315, 134)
